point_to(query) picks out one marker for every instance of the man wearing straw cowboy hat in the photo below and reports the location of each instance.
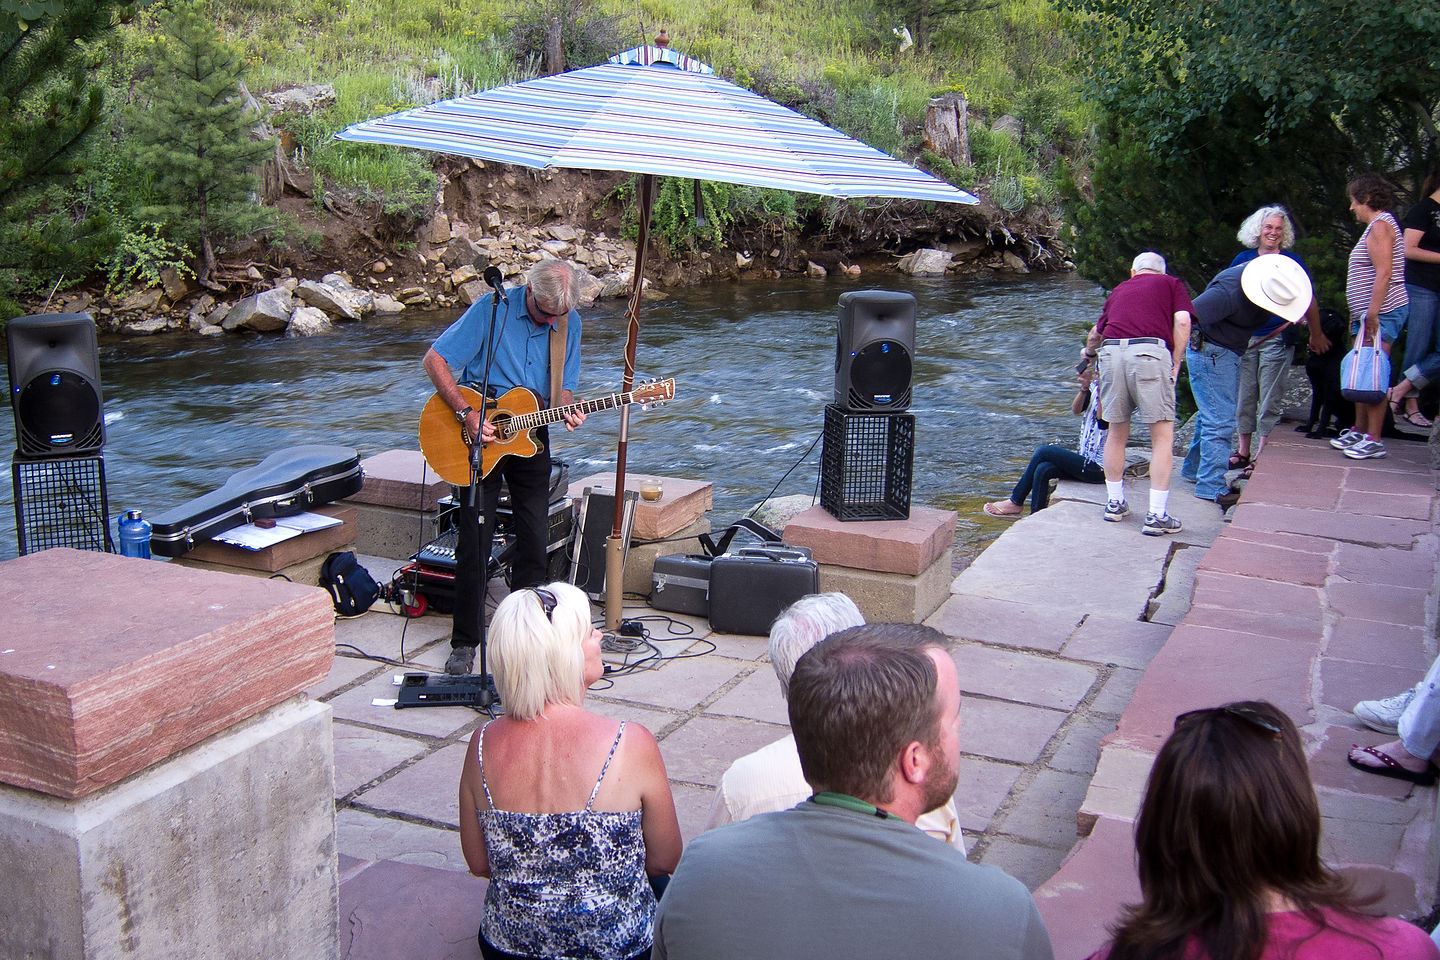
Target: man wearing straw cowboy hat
(1238, 301)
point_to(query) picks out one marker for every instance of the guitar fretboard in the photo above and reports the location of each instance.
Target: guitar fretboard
(540, 418)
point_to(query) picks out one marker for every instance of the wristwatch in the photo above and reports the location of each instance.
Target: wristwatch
(460, 415)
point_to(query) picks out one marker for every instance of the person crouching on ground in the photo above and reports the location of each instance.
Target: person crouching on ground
(1140, 339)
(1051, 461)
(565, 811)
(1228, 850)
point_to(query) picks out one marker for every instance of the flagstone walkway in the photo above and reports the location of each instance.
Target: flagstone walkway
(1076, 641)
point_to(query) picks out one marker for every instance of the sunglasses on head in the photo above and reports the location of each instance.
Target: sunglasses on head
(1248, 714)
(548, 603)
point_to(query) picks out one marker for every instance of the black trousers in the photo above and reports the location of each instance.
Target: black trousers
(529, 482)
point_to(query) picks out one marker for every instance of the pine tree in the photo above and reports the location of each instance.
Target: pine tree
(192, 129)
(49, 105)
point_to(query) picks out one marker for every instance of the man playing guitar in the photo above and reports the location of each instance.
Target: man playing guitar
(524, 322)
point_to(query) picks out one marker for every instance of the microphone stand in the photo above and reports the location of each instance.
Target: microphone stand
(488, 696)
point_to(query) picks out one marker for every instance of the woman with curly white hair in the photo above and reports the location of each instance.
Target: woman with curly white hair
(568, 813)
(1265, 365)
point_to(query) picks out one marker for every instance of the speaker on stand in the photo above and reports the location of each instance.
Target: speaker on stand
(874, 346)
(58, 474)
(868, 454)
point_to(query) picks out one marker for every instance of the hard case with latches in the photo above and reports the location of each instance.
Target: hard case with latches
(287, 482)
(750, 586)
(680, 583)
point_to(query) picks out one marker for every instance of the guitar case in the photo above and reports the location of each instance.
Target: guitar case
(285, 483)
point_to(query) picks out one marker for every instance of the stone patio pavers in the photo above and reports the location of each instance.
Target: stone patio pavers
(1064, 630)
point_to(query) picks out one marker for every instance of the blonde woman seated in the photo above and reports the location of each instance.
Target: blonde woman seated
(568, 813)
(1228, 849)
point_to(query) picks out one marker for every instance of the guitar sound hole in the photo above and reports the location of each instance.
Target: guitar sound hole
(501, 423)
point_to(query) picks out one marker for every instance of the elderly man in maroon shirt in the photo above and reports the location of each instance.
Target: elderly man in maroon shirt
(1140, 340)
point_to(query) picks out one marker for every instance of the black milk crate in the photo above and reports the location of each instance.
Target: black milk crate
(866, 464)
(61, 503)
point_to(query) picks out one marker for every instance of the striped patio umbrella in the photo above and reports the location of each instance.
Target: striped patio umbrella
(654, 112)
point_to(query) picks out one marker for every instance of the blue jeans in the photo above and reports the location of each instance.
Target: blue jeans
(1422, 359)
(1048, 463)
(1214, 381)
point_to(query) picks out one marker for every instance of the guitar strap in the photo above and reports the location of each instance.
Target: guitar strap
(557, 359)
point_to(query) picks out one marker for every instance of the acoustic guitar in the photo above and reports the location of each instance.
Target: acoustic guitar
(515, 417)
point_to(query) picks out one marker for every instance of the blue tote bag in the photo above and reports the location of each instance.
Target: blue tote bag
(1365, 372)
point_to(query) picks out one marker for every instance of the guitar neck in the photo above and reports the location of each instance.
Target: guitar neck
(540, 418)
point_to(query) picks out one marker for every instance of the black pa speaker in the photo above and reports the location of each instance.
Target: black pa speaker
(874, 346)
(54, 364)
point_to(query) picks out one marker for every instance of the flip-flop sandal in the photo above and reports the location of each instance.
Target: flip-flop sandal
(1002, 516)
(1390, 767)
(1238, 461)
(1417, 420)
(1249, 470)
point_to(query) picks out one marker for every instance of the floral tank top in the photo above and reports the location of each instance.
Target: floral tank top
(566, 885)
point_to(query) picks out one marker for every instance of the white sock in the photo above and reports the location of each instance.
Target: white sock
(1115, 490)
(1159, 499)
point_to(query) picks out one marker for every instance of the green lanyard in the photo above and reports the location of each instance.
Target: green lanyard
(847, 802)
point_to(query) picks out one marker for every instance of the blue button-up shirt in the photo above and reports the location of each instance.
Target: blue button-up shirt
(522, 349)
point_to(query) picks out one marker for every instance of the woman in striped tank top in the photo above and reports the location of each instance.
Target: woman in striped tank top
(1375, 293)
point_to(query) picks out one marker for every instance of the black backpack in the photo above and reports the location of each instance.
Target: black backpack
(351, 587)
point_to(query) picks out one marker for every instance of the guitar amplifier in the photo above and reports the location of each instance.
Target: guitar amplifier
(751, 586)
(439, 553)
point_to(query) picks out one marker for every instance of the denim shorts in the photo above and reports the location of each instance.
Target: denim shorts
(1391, 324)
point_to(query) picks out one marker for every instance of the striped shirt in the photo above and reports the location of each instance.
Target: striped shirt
(1360, 276)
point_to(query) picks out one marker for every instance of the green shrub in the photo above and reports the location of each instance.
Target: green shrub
(141, 256)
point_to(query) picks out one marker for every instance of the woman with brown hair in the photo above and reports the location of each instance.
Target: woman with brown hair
(1228, 845)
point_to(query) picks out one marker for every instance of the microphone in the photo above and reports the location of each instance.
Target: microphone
(496, 279)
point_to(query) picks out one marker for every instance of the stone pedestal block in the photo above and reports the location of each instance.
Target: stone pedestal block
(891, 597)
(908, 547)
(682, 503)
(396, 505)
(640, 561)
(225, 850)
(285, 555)
(112, 664)
(401, 480)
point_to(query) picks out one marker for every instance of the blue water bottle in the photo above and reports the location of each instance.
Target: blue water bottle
(134, 535)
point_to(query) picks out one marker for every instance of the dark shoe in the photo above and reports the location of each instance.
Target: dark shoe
(1390, 767)
(462, 660)
(1228, 500)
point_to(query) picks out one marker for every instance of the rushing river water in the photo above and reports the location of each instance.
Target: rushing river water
(754, 369)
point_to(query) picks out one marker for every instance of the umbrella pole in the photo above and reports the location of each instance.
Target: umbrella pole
(614, 544)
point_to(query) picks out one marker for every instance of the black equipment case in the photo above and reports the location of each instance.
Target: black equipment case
(680, 583)
(750, 586)
(287, 482)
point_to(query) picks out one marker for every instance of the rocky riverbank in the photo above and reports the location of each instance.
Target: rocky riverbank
(369, 263)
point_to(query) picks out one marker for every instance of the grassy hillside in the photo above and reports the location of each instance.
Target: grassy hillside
(839, 61)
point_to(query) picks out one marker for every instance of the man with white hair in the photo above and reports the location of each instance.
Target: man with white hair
(770, 778)
(1140, 342)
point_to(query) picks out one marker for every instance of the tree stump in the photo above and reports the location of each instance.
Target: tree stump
(947, 128)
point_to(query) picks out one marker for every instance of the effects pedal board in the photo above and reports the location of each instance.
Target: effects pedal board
(441, 690)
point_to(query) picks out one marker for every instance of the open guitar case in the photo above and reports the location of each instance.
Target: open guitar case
(287, 482)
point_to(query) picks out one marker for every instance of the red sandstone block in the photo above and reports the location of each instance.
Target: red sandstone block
(1316, 487)
(1382, 602)
(1289, 541)
(111, 664)
(1204, 667)
(1389, 644)
(1231, 555)
(1236, 592)
(1347, 527)
(1360, 563)
(681, 502)
(1087, 893)
(1387, 504)
(400, 479)
(887, 546)
(1275, 623)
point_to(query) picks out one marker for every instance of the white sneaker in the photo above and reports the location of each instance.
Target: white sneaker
(1347, 439)
(1383, 716)
(1365, 450)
